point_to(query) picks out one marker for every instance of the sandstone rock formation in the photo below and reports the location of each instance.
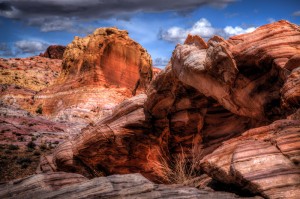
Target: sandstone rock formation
(66, 185)
(108, 56)
(98, 72)
(60, 99)
(54, 52)
(228, 100)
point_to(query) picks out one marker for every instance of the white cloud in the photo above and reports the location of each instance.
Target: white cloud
(230, 31)
(160, 62)
(202, 28)
(297, 13)
(271, 20)
(30, 46)
(174, 34)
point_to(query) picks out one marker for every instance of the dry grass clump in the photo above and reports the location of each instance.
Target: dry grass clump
(182, 168)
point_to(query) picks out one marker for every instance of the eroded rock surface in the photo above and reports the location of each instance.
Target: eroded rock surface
(98, 72)
(67, 185)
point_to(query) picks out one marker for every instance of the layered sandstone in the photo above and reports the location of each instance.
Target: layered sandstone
(66, 185)
(229, 100)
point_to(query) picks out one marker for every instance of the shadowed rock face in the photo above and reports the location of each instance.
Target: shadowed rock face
(67, 185)
(54, 52)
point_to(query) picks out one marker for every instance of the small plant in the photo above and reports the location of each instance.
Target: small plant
(7, 151)
(39, 109)
(32, 124)
(21, 139)
(13, 147)
(31, 145)
(24, 162)
(43, 147)
(182, 168)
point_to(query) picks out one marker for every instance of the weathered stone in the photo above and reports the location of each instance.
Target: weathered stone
(68, 185)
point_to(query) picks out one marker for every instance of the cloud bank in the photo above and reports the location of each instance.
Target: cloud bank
(55, 15)
(202, 28)
(23, 47)
(29, 46)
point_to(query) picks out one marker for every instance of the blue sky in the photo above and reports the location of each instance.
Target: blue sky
(28, 27)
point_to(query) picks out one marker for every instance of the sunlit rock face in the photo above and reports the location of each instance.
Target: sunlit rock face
(229, 98)
(98, 72)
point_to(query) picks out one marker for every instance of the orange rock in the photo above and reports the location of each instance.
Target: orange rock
(98, 71)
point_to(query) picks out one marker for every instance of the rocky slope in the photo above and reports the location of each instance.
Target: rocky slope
(225, 102)
(34, 73)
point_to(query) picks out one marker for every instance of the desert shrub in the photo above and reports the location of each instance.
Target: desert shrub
(37, 153)
(7, 151)
(39, 109)
(24, 162)
(13, 147)
(21, 139)
(31, 145)
(32, 124)
(43, 147)
(182, 168)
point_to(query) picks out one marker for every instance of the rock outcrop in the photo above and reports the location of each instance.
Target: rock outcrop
(66, 185)
(54, 52)
(108, 56)
(229, 100)
(98, 72)
(263, 160)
